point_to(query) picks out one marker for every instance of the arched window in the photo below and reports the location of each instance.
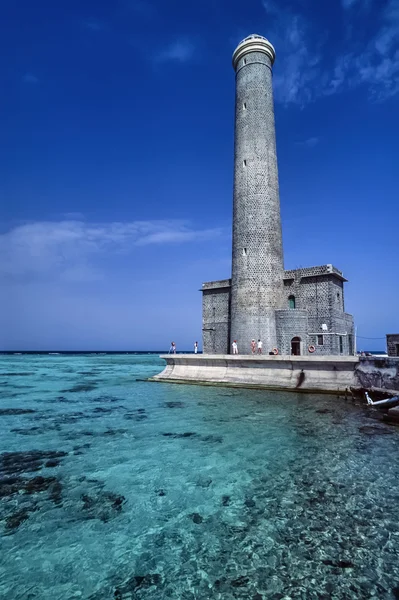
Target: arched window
(291, 301)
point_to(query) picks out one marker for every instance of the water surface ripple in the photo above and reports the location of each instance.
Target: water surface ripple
(112, 488)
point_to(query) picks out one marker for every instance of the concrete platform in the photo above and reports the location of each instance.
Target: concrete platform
(329, 374)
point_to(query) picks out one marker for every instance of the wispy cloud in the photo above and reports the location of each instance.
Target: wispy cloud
(306, 69)
(309, 143)
(30, 78)
(348, 3)
(74, 250)
(298, 55)
(181, 50)
(94, 25)
(141, 7)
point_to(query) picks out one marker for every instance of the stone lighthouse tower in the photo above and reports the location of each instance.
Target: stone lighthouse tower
(257, 257)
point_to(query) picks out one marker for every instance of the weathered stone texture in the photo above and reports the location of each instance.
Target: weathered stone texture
(216, 316)
(393, 344)
(257, 259)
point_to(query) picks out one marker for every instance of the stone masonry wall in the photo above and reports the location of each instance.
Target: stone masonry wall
(257, 256)
(216, 317)
(393, 344)
(320, 291)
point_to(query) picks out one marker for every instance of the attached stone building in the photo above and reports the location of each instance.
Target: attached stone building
(393, 344)
(293, 312)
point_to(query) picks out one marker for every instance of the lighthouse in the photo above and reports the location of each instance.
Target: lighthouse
(257, 253)
(296, 311)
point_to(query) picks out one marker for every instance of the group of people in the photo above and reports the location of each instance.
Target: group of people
(254, 346)
(172, 349)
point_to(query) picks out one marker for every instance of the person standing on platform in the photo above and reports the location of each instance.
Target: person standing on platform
(235, 347)
(195, 347)
(253, 346)
(260, 345)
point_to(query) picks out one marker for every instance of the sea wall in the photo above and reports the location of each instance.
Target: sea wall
(330, 374)
(373, 372)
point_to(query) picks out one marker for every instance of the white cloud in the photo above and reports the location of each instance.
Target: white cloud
(74, 250)
(94, 25)
(181, 50)
(30, 78)
(305, 69)
(309, 143)
(297, 68)
(348, 3)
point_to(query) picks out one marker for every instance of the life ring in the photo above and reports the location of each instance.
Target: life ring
(311, 349)
(275, 351)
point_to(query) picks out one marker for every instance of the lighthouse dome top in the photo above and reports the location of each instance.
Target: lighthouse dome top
(253, 43)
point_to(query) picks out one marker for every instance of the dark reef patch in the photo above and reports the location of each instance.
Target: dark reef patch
(10, 486)
(87, 433)
(15, 411)
(135, 583)
(103, 506)
(61, 399)
(342, 564)
(186, 434)
(36, 430)
(14, 520)
(136, 415)
(191, 434)
(174, 404)
(80, 387)
(196, 518)
(105, 398)
(18, 374)
(12, 463)
(375, 430)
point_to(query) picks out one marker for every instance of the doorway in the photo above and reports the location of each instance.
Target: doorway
(296, 346)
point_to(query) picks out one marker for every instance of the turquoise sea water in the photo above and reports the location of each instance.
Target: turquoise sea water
(112, 488)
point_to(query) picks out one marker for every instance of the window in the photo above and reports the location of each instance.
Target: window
(244, 106)
(244, 163)
(350, 344)
(244, 251)
(291, 301)
(245, 61)
(341, 344)
(320, 340)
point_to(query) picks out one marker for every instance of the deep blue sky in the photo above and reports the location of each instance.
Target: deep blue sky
(116, 123)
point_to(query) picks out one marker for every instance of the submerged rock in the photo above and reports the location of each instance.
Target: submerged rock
(196, 518)
(135, 583)
(80, 387)
(174, 404)
(240, 581)
(375, 430)
(103, 506)
(186, 434)
(342, 564)
(15, 520)
(15, 411)
(12, 463)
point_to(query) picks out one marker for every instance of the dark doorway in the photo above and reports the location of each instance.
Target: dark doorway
(296, 346)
